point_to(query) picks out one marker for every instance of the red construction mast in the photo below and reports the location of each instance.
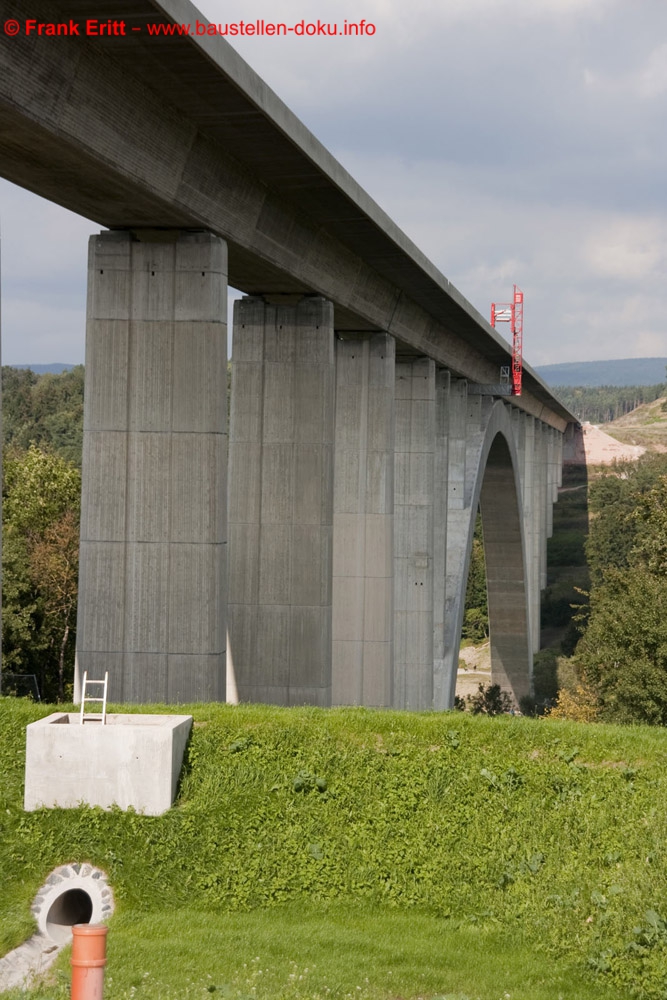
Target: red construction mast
(512, 313)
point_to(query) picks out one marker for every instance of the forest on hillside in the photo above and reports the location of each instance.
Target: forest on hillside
(41, 494)
(602, 404)
(610, 664)
(618, 671)
(43, 410)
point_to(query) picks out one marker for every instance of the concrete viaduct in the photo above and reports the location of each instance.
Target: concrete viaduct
(320, 554)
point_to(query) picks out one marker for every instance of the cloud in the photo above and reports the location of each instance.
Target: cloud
(593, 280)
(627, 249)
(41, 332)
(44, 269)
(646, 81)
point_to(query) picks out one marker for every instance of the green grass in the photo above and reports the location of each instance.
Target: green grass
(334, 951)
(462, 855)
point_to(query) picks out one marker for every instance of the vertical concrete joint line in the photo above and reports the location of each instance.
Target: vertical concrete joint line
(173, 330)
(129, 389)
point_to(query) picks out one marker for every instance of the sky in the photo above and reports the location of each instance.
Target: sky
(514, 141)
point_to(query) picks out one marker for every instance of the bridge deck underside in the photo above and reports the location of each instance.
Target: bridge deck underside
(179, 133)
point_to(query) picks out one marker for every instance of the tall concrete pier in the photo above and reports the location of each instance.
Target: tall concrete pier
(363, 574)
(368, 425)
(281, 501)
(152, 562)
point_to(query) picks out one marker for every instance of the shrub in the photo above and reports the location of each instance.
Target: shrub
(490, 700)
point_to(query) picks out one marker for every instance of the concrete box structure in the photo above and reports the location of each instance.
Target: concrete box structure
(131, 761)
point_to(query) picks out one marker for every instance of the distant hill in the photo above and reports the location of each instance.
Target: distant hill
(56, 368)
(627, 371)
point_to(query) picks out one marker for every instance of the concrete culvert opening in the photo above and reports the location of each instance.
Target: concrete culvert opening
(74, 907)
(72, 894)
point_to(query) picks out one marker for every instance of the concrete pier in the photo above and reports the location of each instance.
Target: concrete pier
(363, 566)
(281, 501)
(458, 541)
(443, 385)
(152, 564)
(413, 534)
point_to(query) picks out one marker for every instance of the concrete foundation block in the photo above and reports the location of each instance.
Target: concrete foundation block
(133, 761)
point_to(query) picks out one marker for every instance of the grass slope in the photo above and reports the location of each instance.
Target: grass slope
(645, 425)
(541, 845)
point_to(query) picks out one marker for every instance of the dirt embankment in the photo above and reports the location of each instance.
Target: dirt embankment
(646, 425)
(592, 446)
(474, 669)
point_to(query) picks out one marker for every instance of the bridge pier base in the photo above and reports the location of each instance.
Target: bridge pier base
(152, 560)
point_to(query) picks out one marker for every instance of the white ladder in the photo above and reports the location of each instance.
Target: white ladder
(85, 697)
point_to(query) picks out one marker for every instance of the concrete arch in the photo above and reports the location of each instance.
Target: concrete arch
(494, 485)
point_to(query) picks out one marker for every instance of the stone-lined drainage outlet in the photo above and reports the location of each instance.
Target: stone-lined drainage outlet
(72, 894)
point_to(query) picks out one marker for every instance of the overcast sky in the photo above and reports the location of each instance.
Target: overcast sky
(513, 140)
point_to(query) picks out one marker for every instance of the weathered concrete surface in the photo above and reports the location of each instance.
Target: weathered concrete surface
(363, 543)
(180, 132)
(281, 501)
(458, 514)
(153, 541)
(413, 534)
(22, 967)
(407, 456)
(443, 389)
(132, 760)
(511, 651)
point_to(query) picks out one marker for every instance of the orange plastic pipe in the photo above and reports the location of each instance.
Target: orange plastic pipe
(89, 956)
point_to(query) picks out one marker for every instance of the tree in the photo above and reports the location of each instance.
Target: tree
(616, 502)
(621, 658)
(490, 700)
(650, 540)
(41, 503)
(476, 616)
(45, 410)
(54, 568)
(603, 403)
(623, 652)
